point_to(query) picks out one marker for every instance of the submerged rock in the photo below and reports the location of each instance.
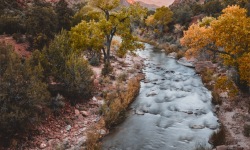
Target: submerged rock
(151, 94)
(197, 127)
(138, 112)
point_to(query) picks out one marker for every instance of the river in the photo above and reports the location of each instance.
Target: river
(173, 110)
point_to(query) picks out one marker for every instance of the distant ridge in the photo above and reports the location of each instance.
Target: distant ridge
(129, 2)
(179, 2)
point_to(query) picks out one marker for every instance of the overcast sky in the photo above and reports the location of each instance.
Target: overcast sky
(158, 2)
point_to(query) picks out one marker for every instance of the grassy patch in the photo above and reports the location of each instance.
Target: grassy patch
(117, 102)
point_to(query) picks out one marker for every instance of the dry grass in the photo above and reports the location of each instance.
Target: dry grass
(219, 137)
(94, 136)
(114, 110)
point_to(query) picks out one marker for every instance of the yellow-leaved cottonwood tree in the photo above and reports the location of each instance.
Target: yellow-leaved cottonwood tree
(228, 35)
(114, 19)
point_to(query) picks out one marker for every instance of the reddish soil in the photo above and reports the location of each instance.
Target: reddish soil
(19, 48)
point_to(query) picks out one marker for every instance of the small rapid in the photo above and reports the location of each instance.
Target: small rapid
(173, 110)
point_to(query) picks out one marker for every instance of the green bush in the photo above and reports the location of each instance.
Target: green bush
(11, 24)
(67, 68)
(94, 61)
(23, 96)
(107, 69)
(18, 37)
(77, 79)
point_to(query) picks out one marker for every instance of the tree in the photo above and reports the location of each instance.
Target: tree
(88, 36)
(182, 15)
(77, 78)
(22, 94)
(41, 24)
(64, 15)
(67, 68)
(228, 35)
(161, 18)
(54, 56)
(213, 7)
(113, 20)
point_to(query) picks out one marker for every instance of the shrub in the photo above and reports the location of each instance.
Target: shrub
(216, 100)
(225, 84)
(94, 61)
(18, 37)
(93, 142)
(246, 130)
(77, 79)
(68, 69)
(107, 69)
(94, 135)
(11, 24)
(114, 111)
(180, 54)
(219, 137)
(122, 77)
(207, 75)
(23, 96)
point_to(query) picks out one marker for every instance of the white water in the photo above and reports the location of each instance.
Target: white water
(177, 109)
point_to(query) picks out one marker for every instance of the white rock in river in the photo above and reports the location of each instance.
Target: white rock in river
(138, 112)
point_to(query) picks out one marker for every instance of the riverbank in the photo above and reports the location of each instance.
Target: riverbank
(73, 128)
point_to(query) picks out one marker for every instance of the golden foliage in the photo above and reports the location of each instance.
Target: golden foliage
(244, 67)
(228, 35)
(224, 84)
(196, 38)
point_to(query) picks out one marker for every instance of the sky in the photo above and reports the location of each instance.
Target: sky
(158, 2)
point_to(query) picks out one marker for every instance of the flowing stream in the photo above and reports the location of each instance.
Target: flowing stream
(173, 110)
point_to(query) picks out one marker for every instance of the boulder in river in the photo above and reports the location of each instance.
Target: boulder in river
(151, 94)
(197, 126)
(139, 112)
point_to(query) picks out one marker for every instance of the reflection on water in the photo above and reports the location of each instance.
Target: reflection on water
(176, 108)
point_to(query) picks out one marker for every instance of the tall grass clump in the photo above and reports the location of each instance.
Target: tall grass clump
(114, 111)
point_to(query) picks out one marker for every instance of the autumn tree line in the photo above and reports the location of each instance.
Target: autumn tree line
(65, 39)
(215, 31)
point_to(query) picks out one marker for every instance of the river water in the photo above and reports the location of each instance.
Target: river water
(173, 110)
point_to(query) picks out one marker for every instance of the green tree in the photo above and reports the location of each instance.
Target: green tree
(77, 78)
(41, 24)
(213, 8)
(54, 56)
(112, 21)
(182, 15)
(22, 94)
(86, 13)
(66, 67)
(161, 18)
(64, 15)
